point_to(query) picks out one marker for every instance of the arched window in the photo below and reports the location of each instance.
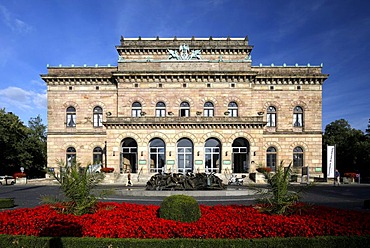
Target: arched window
(157, 155)
(184, 109)
(98, 117)
(212, 155)
(208, 109)
(298, 117)
(160, 109)
(184, 156)
(136, 109)
(298, 157)
(271, 158)
(97, 155)
(71, 116)
(271, 116)
(233, 109)
(71, 156)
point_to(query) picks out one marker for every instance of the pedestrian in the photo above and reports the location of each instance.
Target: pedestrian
(129, 183)
(336, 177)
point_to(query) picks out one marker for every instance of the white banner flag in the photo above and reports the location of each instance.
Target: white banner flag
(330, 161)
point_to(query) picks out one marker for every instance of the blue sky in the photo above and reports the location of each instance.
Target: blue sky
(333, 32)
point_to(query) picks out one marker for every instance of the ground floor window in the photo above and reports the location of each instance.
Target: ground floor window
(212, 155)
(157, 155)
(71, 156)
(271, 158)
(184, 156)
(298, 157)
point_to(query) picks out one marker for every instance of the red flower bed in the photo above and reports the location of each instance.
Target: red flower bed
(107, 170)
(19, 175)
(264, 169)
(139, 221)
(350, 174)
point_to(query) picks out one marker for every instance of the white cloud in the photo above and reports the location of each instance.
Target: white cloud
(12, 22)
(18, 98)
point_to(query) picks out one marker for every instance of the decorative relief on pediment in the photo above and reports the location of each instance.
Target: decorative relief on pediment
(184, 53)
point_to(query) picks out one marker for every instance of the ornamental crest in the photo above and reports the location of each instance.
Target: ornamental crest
(184, 53)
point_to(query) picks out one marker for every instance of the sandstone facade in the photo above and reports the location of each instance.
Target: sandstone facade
(185, 105)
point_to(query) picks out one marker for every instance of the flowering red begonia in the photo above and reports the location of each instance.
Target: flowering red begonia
(125, 220)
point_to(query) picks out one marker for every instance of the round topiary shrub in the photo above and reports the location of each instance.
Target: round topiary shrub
(180, 208)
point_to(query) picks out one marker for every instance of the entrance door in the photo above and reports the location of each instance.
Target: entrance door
(240, 156)
(128, 159)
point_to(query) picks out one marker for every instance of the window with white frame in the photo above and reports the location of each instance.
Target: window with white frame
(98, 155)
(233, 109)
(160, 109)
(157, 155)
(271, 116)
(136, 109)
(98, 117)
(71, 156)
(212, 155)
(71, 116)
(298, 116)
(184, 109)
(208, 109)
(271, 158)
(298, 157)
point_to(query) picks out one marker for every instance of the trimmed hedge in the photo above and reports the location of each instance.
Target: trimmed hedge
(182, 208)
(6, 203)
(10, 241)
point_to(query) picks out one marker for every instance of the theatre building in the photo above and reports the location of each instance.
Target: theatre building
(185, 105)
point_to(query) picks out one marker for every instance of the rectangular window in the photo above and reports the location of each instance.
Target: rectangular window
(98, 120)
(271, 120)
(298, 120)
(71, 120)
(160, 113)
(184, 112)
(136, 112)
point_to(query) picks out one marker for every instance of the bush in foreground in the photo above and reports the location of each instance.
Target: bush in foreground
(182, 208)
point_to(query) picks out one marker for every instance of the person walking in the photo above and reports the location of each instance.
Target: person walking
(336, 177)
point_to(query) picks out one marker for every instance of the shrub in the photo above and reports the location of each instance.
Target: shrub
(76, 183)
(180, 208)
(279, 199)
(6, 203)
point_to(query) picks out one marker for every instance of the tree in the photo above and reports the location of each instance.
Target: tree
(13, 135)
(21, 146)
(36, 147)
(352, 147)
